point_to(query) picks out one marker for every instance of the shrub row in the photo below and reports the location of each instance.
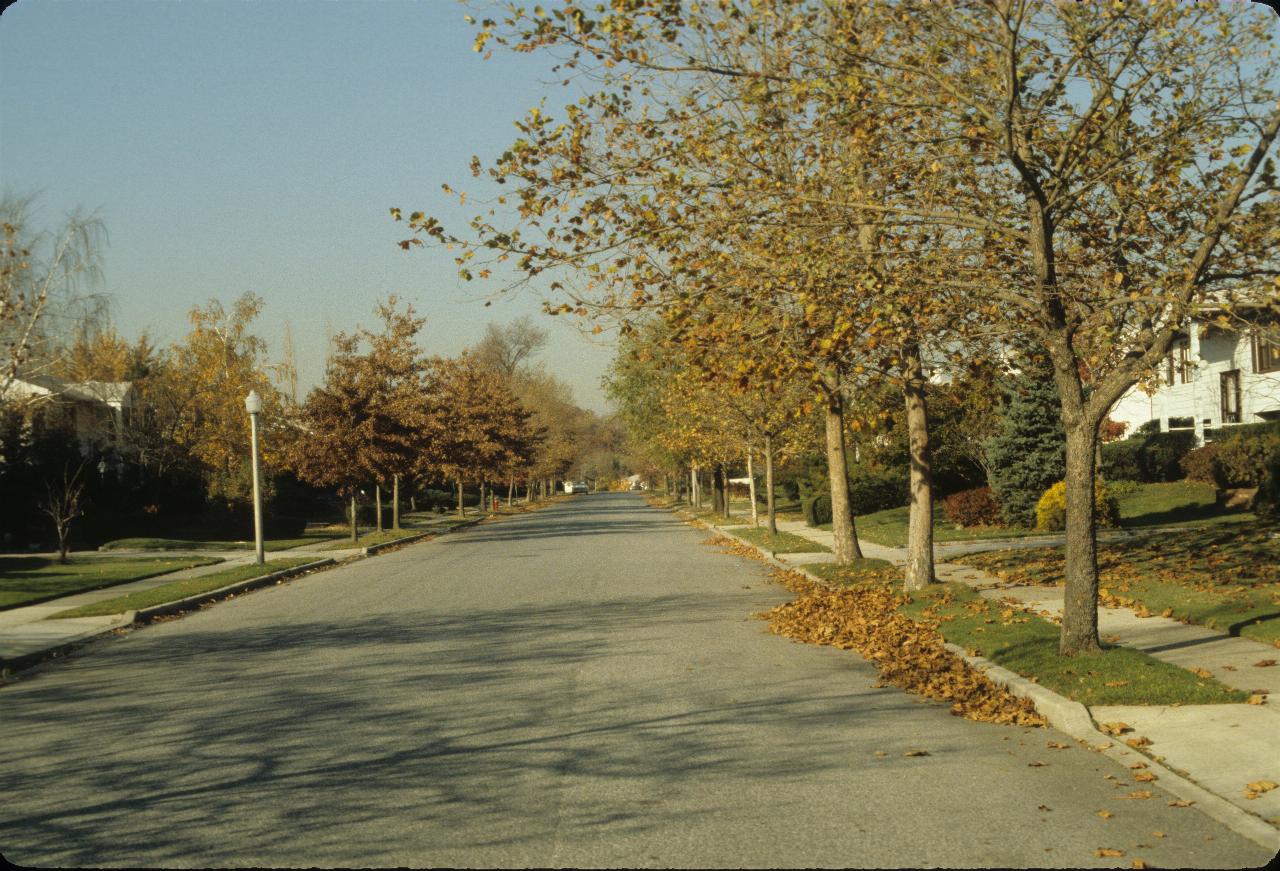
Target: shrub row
(1150, 457)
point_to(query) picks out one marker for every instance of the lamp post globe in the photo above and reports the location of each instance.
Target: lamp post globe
(253, 402)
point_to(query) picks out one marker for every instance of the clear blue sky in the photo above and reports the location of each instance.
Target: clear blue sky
(257, 146)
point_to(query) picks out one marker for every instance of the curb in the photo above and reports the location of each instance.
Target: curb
(145, 614)
(1074, 720)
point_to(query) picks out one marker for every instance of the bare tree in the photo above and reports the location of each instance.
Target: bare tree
(64, 502)
(41, 281)
(505, 348)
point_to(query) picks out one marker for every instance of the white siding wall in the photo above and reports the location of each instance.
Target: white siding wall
(1201, 398)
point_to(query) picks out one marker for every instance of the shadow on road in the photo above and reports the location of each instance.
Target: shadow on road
(296, 732)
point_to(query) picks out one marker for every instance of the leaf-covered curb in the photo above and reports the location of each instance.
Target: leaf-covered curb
(908, 655)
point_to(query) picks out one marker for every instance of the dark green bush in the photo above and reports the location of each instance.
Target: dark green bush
(1149, 458)
(816, 508)
(1244, 461)
(1200, 464)
(1268, 501)
(1122, 460)
(1268, 427)
(877, 489)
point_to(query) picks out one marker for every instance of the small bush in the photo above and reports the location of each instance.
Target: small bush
(1051, 510)
(976, 507)
(1268, 501)
(1201, 464)
(816, 508)
(877, 489)
(1150, 458)
(1122, 461)
(1243, 461)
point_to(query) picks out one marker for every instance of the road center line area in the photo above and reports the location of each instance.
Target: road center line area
(585, 685)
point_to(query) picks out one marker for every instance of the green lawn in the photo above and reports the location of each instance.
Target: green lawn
(783, 542)
(368, 539)
(1223, 577)
(180, 589)
(1028, 645)
(1176, 503)
(856, 572)
(213, 544)
(25, 580)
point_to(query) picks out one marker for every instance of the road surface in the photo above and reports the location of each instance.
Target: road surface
(581, 686)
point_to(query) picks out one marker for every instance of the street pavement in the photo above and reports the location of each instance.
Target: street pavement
(580, 686)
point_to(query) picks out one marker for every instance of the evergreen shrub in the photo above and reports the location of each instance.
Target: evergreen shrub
(875, 489)
(1243, 461)
(1029, 453)
(816, 508)
(1200, 464)
(1051, 510)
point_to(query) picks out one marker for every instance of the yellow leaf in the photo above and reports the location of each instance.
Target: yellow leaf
(1106, 815)
(1107, 851)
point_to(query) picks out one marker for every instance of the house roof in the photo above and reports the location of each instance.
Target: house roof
(118, 394)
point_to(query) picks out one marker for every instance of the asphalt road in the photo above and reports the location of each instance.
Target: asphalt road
(582, 686)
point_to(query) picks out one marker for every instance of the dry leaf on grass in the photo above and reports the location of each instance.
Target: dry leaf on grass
(1106, 815)
(916, 753)
(1264, 663)
(1157, 834)
(1256, 699)
(1107, 851)
(1200, 672)
(1114, 683)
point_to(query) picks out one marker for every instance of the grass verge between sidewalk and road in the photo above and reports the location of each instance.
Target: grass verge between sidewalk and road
(180, 589)
(1222, 578)
(782, 542)
(1028, 645)
(28, 580)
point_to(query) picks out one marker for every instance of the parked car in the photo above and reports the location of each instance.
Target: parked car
(579, 487)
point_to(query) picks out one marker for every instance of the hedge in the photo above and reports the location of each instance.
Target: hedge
(1148, 458)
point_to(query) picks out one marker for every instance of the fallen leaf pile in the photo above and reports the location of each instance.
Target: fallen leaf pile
(909, 655)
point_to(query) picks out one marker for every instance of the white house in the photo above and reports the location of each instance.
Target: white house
(96, 409)
(1213, 377)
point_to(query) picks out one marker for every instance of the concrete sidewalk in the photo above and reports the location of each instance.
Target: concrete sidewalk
(1221, 748)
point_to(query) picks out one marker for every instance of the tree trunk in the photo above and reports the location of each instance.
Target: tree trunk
(461, 511)
(768, 486)
(484, 506)
(377, 506)
(919, 570)
(395, 502)
(511, 489)
(842, 522)
(354, 533)
(1080, 595)
(719, 491)
(751, 491)
(413, 503)
(62, 543)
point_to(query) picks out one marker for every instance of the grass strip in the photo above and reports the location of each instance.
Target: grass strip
(1028, 645)
(194, 544)
(27, 580)
(782, 542)
(1224, 579)
(180, 589)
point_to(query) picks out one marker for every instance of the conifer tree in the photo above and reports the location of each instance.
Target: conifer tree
(1029, 454)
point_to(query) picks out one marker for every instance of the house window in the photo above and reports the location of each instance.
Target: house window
(1182, 423)
(1266, 353)
(1184, 362)
(1230, 387)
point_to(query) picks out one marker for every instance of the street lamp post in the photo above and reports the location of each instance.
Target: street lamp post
(253, 404)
